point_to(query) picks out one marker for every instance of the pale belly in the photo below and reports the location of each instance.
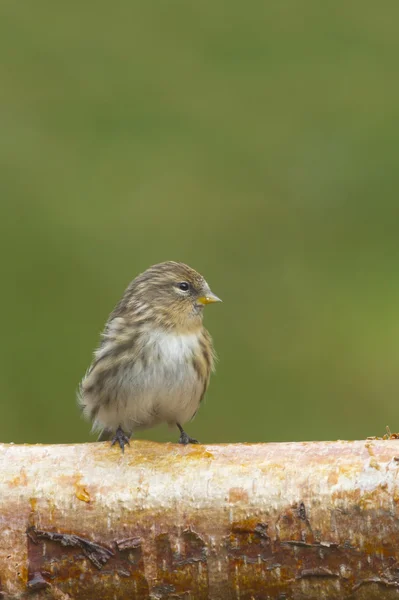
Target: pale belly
(165, 390)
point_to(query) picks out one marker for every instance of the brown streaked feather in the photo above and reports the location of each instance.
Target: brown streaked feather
(154, 339)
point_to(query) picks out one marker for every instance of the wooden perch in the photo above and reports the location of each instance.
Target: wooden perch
(314, 521)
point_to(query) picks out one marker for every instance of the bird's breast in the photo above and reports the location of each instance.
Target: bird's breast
(170, 350)
(164, 382)
(168, 387)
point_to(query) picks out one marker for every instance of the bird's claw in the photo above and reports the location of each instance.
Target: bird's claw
(121, 438)
(186, 439)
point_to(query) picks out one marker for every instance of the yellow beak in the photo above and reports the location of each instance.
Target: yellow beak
(210, 298)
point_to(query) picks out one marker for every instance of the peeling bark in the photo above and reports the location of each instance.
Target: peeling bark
(315, 521)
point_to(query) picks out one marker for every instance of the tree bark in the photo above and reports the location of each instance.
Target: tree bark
(316, 520)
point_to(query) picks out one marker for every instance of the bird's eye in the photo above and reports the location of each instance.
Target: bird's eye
(184, 286)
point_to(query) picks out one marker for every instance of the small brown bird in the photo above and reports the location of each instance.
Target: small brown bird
(155, 359)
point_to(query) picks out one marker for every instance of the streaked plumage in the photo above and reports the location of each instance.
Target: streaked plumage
(155, 359)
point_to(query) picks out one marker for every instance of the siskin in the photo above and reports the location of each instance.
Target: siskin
(155, 359)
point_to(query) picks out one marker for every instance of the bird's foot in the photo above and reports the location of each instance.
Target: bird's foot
(185, 438)
(121, 438)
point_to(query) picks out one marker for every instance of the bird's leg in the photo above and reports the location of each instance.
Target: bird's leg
(121, 437)
(184, 437)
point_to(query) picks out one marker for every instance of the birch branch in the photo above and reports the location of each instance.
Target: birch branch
(296, 521)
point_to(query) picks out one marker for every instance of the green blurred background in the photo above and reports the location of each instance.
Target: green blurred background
(257, 142)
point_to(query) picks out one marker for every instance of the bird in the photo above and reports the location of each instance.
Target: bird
(155, 358)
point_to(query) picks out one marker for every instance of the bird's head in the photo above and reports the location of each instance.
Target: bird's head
(172, 294)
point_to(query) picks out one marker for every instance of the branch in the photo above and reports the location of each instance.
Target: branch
(315, 520)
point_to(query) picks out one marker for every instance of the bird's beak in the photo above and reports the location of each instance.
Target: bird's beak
(210, 298)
